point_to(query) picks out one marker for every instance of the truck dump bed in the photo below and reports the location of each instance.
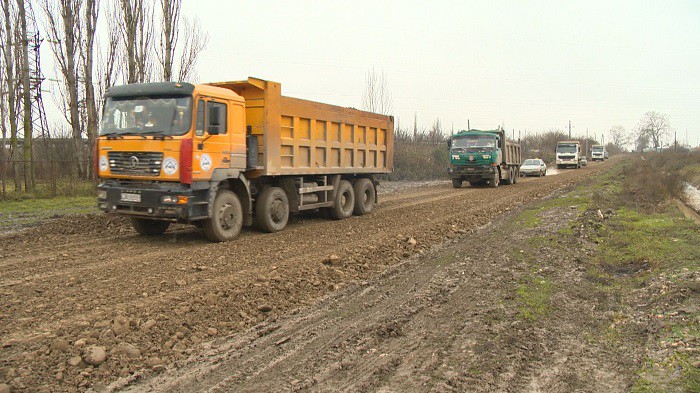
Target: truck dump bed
(299, 137)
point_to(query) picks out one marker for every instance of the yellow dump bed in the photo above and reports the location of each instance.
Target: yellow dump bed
(298, 137)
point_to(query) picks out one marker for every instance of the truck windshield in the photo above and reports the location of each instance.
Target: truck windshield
(160, 115)
(475, 143)
(567, 149)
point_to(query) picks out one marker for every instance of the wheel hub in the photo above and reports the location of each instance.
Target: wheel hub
(228, 216)
(277, 210)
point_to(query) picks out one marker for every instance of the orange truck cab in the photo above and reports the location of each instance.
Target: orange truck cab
(229, 154)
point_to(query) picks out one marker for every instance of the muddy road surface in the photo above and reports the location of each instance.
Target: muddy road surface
(88, 304)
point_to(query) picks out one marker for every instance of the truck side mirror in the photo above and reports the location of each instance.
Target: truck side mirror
(449, 143)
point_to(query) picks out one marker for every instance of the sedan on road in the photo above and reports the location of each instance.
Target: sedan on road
(533, 167)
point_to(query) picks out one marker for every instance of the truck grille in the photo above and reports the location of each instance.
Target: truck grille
(135, 163)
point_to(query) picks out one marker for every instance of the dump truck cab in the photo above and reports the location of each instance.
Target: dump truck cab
(161, 144)
(598, 153)
(568, 154)
(481, 157)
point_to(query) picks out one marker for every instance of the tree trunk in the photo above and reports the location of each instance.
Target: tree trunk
(91, 14)
(27, 102)
(10, 78)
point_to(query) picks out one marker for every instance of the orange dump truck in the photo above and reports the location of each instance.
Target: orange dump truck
(223, 155)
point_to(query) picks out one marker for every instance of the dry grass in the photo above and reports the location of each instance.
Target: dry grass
(653, 178)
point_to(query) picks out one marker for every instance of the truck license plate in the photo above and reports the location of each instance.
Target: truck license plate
(129, 197)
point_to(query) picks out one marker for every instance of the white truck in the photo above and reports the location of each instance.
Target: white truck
(598, 153)
(568, 154)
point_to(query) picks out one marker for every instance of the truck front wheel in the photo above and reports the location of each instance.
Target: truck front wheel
(344, 202)
(272, 210)
(226, 219)
(493, 182)
(365, 196)
(457, 183)
(148, 227)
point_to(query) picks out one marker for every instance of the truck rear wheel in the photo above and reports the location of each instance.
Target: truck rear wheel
(457, 183)
(509, 180)
(516, 175)
(272, 210)
(148, 227)
(365, 196)
(226, 219)
(344, 201)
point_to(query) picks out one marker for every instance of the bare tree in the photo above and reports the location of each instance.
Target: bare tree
(64, 35)
(176, 30)
(9, 55)
(26, 99)
(194, 43)
(91, 13)
(376, 96)
(108, 62)
(169, 35)
(619, 137)
(655, 127)
(3, 118)
(136, 26)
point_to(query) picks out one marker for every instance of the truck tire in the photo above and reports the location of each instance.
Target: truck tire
(493, 182)
(365, 196)
(509, 180)
(457, 183)
(517, 175)
(226, 219)
(272, 210)
(148, 227)
(344, 202)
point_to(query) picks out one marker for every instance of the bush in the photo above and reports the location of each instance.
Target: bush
(419, 161)
(655, 177)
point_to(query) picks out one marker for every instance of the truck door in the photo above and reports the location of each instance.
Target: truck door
(212, 142)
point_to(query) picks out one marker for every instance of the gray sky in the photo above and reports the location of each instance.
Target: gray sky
(531, 65)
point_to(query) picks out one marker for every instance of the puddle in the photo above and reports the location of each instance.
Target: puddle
(552, 170)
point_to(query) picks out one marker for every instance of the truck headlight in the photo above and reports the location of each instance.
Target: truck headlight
(169, 199)
(101, 194)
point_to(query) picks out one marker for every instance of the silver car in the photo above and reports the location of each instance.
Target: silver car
(533, 167)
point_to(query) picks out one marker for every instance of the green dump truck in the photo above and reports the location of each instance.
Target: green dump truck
(482, 157)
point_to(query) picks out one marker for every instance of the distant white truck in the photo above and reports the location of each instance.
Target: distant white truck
(598, 153)
(568, 154)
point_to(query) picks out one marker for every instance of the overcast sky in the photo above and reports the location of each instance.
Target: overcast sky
(531, 65)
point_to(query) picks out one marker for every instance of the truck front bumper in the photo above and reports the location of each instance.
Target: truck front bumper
(472, 173)
(164, 201)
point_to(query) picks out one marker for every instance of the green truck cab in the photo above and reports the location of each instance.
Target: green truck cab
(481, 157)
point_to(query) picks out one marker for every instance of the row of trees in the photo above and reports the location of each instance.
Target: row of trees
(139, 41)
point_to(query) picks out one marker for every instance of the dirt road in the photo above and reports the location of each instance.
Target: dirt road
(87, 303)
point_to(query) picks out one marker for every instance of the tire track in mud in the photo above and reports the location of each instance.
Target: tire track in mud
(111, 275)
(417, 326)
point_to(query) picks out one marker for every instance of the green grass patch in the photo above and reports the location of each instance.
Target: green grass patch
(32, 211)
(529, 218)
(444, 259)
(64, 188)
(633, 238)
(533, 296)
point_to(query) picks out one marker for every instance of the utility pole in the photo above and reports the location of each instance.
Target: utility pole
(468, 126)
(569, 129)
(675, 140)
(586, 141)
